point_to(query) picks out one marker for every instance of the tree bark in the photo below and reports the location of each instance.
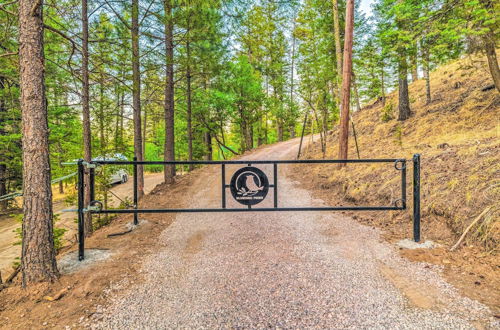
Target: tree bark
(491, 55)
(427, 77)
(382, 84)
(356, 94)
(404, 98)
(3, 185)
(38, 257)
(3, 167)
(414, 67)
(336, 31)
(136, 95)
(346, 81)
(169, 148)
(87, 138)
(189, 112)
(338, 52)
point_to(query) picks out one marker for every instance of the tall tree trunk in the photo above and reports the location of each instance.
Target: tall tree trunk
(117, 122)
(336, 31)
(427, 76)
(338, 52)
(414, 66)
(3, 185)
(102, 140)
(122, 114)
(356, 94)
(491, 55)
(292, 124)
(404, 98)
(3, 167)
(87, 137)
(346, 81)
(169, 150)
(382, 84)
(136, 95)
(38, 257)
(189, 112)
(280, 129)
(144, 132)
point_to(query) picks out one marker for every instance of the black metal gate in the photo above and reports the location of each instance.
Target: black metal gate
(248, 186)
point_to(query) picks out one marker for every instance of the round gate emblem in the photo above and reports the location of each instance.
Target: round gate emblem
(249, 185)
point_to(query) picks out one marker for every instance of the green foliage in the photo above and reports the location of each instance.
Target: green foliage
(58, 232)
(387, 112)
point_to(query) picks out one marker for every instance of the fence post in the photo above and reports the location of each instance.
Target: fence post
(81, 227)
(136, 218)
(416, 197)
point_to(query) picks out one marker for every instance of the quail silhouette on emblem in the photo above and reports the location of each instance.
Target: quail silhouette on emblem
(251, 184)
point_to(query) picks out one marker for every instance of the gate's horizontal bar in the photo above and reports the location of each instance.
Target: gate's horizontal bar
(216, 162)
(266, 209)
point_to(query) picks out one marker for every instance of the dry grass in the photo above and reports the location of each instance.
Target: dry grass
(458, 137)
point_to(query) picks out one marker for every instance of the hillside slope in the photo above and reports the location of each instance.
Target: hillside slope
(457, 135)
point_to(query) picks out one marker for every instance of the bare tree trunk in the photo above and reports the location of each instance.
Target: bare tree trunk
(336, 29)
(38, 258)
(382, 84)
(346, 81)
(491, 55)
(117, 120)
(280, 130)
(414, 66)
(356, 95)
(87, 137)
(404, 98)
(102, 142)
(136, 95)
(189, 112)
(3, 167)
(338, 52)
(169, 150)
(292, 125)
(144, 132)
(427, 77)
(3, 185)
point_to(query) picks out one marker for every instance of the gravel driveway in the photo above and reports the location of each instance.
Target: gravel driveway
(286, 270)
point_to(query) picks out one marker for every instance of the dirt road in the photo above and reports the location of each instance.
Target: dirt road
(67, 220)
(289, 269)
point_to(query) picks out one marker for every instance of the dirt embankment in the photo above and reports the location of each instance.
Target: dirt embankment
(457, 135)
(77, 295)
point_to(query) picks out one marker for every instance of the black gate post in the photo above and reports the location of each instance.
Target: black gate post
(416, 197)
(81, 227)
(223, 180)
(136, 216)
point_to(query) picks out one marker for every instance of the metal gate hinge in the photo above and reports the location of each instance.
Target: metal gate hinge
(89, 165)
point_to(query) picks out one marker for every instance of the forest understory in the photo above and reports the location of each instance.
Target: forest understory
(457, 137)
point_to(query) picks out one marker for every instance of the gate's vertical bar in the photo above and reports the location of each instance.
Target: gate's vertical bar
(416, 197)
(223, 186)
(403, 185)
(275, 175)
(136, 219)
(92, 183)
(81, 228)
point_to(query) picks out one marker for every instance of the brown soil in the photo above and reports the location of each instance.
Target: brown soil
(81, 292)
(457, 135)
(9, 251)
